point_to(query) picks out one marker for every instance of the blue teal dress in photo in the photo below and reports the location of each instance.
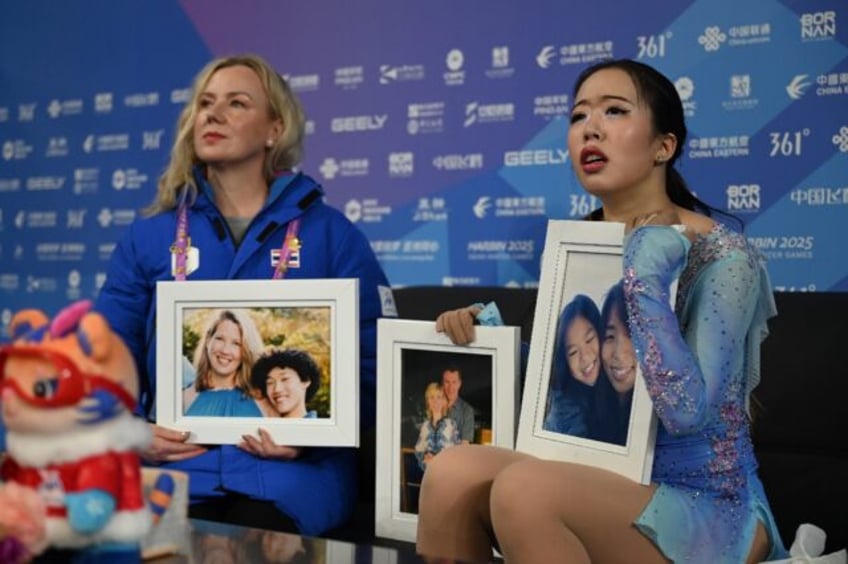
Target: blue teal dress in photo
(700, 363)
(224, 403)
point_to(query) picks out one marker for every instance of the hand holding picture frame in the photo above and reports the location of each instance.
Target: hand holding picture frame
(236, 355)
(584, 398)
(419, 373)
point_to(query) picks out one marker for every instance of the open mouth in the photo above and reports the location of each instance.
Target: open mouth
(587, 372)
(592, 160)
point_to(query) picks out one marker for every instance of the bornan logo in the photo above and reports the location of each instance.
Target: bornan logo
(817, 26)
(401, 164)
(743, 197)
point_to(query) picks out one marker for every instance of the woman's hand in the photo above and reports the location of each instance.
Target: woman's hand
(170, 445)
(458, 324)
(265, 447)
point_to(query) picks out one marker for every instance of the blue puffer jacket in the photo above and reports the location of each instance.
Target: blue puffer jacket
(317, 490)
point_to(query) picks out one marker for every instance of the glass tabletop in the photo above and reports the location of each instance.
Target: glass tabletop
(210, 542)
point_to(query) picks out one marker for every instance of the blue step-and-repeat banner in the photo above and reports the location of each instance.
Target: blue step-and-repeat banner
(437, 127)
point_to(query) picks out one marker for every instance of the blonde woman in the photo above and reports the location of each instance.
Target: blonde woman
(222, 362)
(438, 431)
(230, 206)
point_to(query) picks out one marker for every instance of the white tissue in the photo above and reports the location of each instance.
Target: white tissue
(808, 547)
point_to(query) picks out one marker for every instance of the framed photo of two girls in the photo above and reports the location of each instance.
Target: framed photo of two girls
(584, 398)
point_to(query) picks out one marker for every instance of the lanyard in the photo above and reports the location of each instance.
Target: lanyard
(182, 244)
(289, 243)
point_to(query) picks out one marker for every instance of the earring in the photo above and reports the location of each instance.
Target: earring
(269, 143)
(660, 159)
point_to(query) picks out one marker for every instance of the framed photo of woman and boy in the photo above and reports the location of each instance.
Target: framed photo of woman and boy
(236, 355)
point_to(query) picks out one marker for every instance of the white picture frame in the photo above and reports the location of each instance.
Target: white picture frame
(410, 355)
(327, 311)
(580, 258)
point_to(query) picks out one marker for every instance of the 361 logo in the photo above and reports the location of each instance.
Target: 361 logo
(652, 46)
(787, 143)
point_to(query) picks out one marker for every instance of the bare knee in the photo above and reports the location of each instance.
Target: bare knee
(512, 489)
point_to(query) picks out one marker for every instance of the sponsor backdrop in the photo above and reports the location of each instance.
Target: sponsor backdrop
(438, 127)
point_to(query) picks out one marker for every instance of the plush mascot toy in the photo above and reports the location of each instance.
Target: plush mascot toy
(69, 388)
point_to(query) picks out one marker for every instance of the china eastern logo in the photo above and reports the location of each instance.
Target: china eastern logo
(797, 86)
(546, 56)
(481, 206)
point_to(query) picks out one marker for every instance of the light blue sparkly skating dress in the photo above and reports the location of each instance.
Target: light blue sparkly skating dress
(700, 364)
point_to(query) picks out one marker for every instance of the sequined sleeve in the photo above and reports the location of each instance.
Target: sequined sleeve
(688, 371)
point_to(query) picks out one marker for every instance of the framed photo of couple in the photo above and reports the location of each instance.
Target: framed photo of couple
(431, 396)
(236, 355)
(584, 398)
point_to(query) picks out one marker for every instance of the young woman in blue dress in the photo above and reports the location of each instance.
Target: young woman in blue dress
(700, 362)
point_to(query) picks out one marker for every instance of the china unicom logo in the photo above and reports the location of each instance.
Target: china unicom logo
(712, 38)
(841, 139)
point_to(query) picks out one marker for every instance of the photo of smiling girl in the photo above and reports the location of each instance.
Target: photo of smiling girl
(576, 369)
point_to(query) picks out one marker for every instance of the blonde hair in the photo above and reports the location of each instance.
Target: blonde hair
(285, 154)
(431, 389)
(251, 348)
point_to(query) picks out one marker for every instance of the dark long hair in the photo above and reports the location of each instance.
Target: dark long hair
(581, 306)
(612, 418)
(659, 94)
